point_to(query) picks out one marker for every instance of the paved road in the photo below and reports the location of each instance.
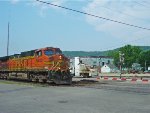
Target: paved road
(99, 98)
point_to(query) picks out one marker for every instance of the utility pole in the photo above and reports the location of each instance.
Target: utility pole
(145, 65)
(99, 67)
(121, 59)
(8, 41)
(99, 62)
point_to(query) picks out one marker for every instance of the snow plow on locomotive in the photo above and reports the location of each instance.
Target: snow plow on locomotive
(41, 65)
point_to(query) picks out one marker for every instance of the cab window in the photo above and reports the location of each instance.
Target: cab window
(39, 53)
(48, 52)
(57, 51)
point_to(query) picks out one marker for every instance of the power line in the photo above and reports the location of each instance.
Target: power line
(146, 2)
(96, 16)
(118, 12)
(141, 4)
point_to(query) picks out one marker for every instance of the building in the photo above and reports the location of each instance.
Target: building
(91, 62)
(108, 68)
(136, 66)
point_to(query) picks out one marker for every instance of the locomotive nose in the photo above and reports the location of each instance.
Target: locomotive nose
(59, 62)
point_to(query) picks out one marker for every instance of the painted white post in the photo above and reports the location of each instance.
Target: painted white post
(77, 66)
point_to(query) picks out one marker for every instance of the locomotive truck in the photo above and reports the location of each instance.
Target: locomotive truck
(40, 65)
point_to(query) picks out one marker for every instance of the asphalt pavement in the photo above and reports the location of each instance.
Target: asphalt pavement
(106, 97)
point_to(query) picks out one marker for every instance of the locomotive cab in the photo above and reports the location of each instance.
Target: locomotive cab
(51, 59)
(57, 65)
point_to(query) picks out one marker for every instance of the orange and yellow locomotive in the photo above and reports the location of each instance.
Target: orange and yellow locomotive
(46, 64)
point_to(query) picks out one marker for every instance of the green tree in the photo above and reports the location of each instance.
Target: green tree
(131, 55)
(144, 58)
(115, 55)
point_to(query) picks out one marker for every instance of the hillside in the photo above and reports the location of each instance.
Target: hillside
(145, 48)
(84, 53)
(96, 53)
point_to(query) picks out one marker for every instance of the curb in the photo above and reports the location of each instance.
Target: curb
(114, 78)
(145, 80)
(134, 79)
(105, 78)
(124, 79)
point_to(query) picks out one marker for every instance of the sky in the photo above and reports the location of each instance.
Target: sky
(35, 25)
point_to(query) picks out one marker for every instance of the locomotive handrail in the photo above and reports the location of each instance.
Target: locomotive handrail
(55, 65)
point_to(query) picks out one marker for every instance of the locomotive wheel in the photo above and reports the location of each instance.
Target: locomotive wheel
(6, 76)
(34, 78)
(44, 80)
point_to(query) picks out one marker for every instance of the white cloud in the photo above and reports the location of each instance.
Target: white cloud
(44, 7)
(121, 10)
(14, 1)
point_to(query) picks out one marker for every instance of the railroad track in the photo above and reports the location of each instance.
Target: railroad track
(143, 89)
(25, 82)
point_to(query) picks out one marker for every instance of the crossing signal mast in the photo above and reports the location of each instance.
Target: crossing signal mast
(121, 59)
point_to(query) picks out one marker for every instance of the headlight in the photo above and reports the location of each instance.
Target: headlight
(60, 57)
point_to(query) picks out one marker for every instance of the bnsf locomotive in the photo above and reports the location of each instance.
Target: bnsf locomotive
(46, 64)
